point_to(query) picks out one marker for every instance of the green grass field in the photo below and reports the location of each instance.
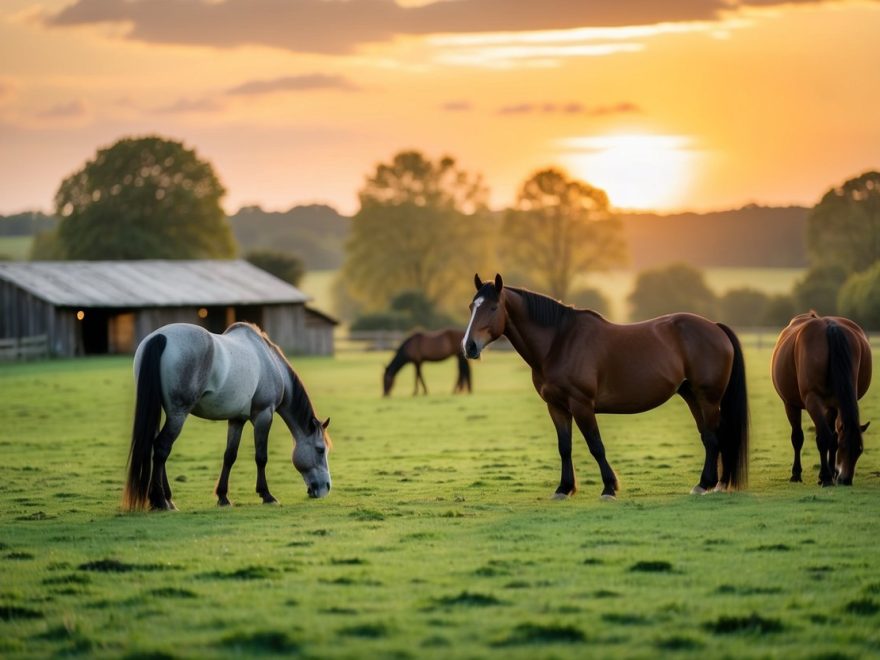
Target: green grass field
(439, 538)
(15, 247)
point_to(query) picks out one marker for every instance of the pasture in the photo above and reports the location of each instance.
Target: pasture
(438, 539)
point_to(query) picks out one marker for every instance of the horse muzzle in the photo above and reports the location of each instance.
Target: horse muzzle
(472, 349)
(318, 489)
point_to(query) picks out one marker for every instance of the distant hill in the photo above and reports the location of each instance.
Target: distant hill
(748, 237)
(315, 233)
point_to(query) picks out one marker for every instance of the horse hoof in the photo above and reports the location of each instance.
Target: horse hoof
(698, 490)
(559, 496)
(719, 488)
(608, 497)
(795, 479)
(170, 506)
(224, 502)
(272, 500)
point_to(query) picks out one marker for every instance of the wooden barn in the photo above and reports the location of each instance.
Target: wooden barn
(95, 307)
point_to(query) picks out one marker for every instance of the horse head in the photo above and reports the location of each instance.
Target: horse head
(387, 380)
(487, 317)
(848, 452)
(310, 457)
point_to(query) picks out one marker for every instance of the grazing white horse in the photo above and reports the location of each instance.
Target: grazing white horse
(239, 376)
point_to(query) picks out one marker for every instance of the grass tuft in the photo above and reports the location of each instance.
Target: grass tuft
(468, 599)
(264, 642)
(537, 633)
(651, 566)
(863, 607)
(752, 624)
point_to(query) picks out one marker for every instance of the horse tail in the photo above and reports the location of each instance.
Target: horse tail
(147, 415)
(733, 432)
(464, 373)
(842, 382)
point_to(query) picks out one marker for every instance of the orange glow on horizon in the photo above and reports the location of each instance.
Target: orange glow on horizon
(637, 170)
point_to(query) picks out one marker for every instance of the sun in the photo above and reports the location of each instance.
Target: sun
(638, 171)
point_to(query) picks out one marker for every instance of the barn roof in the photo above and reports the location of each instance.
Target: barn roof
(149, 283)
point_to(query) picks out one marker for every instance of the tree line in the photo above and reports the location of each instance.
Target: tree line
(423, 224)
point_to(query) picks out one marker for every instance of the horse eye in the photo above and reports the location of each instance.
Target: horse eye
(321, 450)
(494, 308)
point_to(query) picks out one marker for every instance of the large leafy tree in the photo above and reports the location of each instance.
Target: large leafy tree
(843, 229)
(560, 228)
(675, 288)
(420, 227)
(143, 198)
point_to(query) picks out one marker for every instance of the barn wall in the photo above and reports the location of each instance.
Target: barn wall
(21, 314)
(319, 336)
(286, 326)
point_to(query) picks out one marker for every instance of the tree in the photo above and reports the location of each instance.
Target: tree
(676, 288)
(284, 266)
(818, 289)
(843, 229)
(860, 298)
(421, 227)
(143, 198)
(745, 307)
(560, 228)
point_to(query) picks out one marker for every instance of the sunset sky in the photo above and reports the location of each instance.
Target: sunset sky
(673, 104)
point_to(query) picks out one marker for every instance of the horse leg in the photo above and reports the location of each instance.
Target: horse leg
(824, 437)
(707, 416)
(262, 423)
(562, 421)
(159, 492)
(797, 440)
(233, 438)
(420, 379)
(586, 421)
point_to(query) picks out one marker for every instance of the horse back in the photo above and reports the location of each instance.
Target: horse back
(800, 362)
(435, 346)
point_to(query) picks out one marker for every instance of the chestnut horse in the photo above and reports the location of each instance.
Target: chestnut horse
(428, 347)
(822, 364)
(583, 365)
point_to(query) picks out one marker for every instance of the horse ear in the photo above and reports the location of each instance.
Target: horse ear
(477, 281)
(865, 426)
(499, 283)
(325, 423)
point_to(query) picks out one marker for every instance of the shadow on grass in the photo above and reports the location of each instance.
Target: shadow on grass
(536, 633)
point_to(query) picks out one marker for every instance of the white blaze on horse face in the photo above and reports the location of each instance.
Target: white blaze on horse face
(467, 333)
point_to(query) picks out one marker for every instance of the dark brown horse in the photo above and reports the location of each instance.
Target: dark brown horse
(428, 347)
(583, 365)
(822, 364)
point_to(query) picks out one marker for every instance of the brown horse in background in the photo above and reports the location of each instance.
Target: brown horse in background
(583, 365)
(428, 347)
(822, 364)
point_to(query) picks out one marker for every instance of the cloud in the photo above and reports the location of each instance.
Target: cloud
(307, 82)
(71, 110)
(457, 106)
(571, 108)
(187, 106)
(340, 26)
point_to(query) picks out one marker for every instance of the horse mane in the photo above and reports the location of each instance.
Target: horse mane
(300, 403)
(547, 311)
